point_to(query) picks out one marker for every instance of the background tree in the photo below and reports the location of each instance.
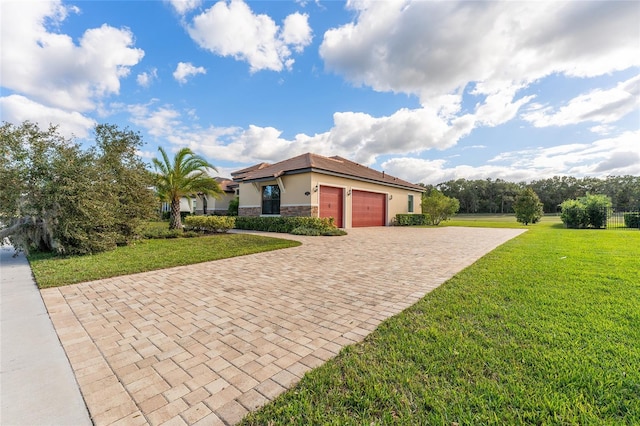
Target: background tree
(438, 207)
(54, 196)
(527, 207)
(497, 196)
(184, 177)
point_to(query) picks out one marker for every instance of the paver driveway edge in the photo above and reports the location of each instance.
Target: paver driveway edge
(207, 343)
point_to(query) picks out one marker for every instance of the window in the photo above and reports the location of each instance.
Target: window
(271, 199)
(410, 207)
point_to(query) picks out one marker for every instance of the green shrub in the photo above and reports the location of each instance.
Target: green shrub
(438, 207)
(233, 207)
(573, 214)
(282, 224)
(154, 234)
(210, 223)
(333, 232)
(300, 230)
(315, 232)
(584, 212)
(597, 207)
(403, 219)
(632, 220)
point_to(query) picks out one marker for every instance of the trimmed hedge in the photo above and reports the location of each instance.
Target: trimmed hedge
(282, 224)
(210, 223)
(161, 234)
(632, 220)
(403, 219)
(316, 232)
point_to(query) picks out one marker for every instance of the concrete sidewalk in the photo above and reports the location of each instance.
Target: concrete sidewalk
(37, 384)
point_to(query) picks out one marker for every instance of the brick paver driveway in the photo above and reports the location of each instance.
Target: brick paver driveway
(209, 342)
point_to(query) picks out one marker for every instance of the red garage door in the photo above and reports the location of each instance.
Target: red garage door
(331, 203)
(369, 208)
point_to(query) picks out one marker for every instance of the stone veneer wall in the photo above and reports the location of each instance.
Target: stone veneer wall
(310, 211)
(249, 211)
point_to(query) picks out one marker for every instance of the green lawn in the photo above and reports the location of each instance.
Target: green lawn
(147, 255)
(543, 330)
(495, 221)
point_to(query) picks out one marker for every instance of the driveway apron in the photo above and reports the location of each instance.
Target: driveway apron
(207, 343)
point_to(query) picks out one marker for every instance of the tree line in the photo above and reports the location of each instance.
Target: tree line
(499, 196)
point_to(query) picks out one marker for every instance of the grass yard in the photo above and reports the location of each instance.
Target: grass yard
(543, 330)
(495, 221)
(147, 255)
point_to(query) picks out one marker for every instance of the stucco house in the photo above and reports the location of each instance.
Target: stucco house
(207, 205)
(317, 186)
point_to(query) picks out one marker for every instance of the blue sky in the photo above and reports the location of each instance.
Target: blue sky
(427, 91)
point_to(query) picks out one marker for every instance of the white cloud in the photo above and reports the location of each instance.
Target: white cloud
(185, 70)
(145, 79)
(50, 68)
(16, 109)
(355, 135)
(433, 48)
(160, 122)
(362, 138)
(53, 79)
(184, 6)
(296, 31)
(433, 172)
(580, 158)
(611, 156)
(232, 29)
(598, 106)
(147, 155)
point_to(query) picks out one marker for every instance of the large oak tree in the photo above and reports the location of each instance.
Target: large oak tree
(56, 196)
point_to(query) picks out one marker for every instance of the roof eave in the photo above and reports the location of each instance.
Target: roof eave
(337, 174)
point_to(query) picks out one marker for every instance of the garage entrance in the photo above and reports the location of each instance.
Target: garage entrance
(331, 204)
(368, 208)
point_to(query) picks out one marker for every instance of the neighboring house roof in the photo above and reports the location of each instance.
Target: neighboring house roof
(335, 166)
(240, 174)
(227, 185)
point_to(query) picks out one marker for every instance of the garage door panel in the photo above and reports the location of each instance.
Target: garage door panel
(368, 208)
(331, 203)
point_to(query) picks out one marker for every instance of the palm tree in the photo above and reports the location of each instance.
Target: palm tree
(185, 177)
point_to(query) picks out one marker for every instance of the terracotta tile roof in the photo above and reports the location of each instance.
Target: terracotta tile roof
(227, 185)
(319, 164)
(240, 174)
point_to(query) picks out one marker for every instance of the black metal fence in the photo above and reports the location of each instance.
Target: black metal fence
(609, 218)
(622, 219)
